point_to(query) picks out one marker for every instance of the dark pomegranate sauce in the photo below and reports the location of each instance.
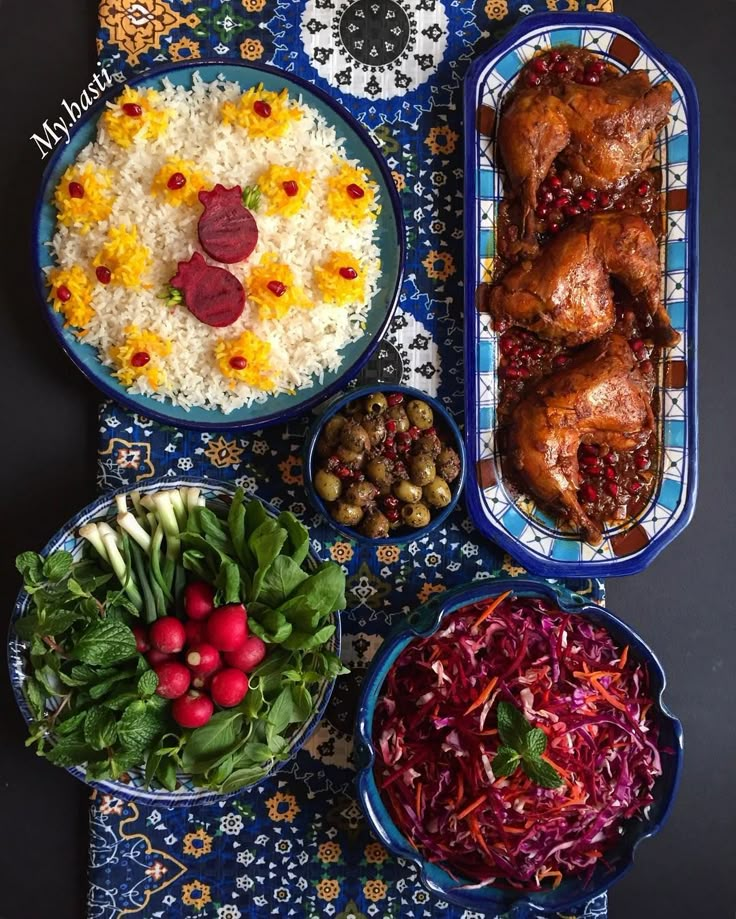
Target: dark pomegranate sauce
(613, 485)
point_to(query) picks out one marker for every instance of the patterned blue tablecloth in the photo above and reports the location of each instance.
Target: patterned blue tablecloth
(297, 845)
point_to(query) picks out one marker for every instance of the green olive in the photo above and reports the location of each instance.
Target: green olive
(420, 414)
(448, 464)
(375, 403)
(361, 493)
(428, 443)
(437, 493)
(421, 469)
(354, 436)
(327, 485)
(406, 491)
(352, 458)
(416, 515)
(348, 514)
(379, 472)
(374, 525)
(332, 428)
(375, 428)
(398, 415)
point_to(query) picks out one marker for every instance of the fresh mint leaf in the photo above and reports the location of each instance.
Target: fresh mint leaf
(60, 620)
(542, 773)
(512, 725)
(69, 752)
(105, 642)
(147, 683)
(505, 762)
(139, 727)
(27, 626)
(100, 729)
(99, 689)
(30, 565)
(70, 725)
(34, 695)
(535, 743)
(58, 565)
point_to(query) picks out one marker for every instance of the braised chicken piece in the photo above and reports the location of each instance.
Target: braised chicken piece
(602, 398)
(605, 132)
(565, 293)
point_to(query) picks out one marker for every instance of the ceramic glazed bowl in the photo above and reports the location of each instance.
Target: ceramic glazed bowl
(571, 892)
(406, 534)
(389, 237)
(524, 529)
(186, 793)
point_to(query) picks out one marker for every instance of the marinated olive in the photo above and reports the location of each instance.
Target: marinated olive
(416, 515)
(348, 514)
(354, 436)
(375, 427)
(332, 428)
(421, 469)
(448, 464)
(406, 491)
(379, 472)
(375, 403)
(324, 449)
(428, 443)
(351, 458)
(361, 493)
(420, 414)
(353, 407)
(374, 525)
(398, 415)
(437, 493)
(327, 485)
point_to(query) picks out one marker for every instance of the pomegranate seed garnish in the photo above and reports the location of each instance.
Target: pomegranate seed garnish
(333, 462)
(559, 360)
(390, 454)
(539, 65)
(589, 449)
(431, 432)
(541, 211)
(619, 205)
(555, 181)
(636, 344)
(588, 493)
(404, 437)
(594, 469)
(392, 515)
(290, 187)
(355, 191)
(604, 199)
(596, 66)
(554, 56)
(103, 274)
(611, 457)
(634, 488)
(389, 441)
(63, 293)
(549, 196)
(343, 472)
(533, 79)
(390, 501)
(395, 398)
(571, 210)
(391, 425)
(610, 473)
(590, 194)
(584, 204)
(589, 459)
(562, 201)
(591, 79)
(562, 67)
(140, 359)
(400, 470)
(176, 181)
(262, 108)
(132, 110)
(612, 489)
(76, 190)
(554, 227)
(350, 274)
(277, 288)
(641, 460)
(238, 362)
(414, 432)
(642, 189)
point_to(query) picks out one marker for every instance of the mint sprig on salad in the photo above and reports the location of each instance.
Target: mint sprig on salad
(522, 745)
(95, 698)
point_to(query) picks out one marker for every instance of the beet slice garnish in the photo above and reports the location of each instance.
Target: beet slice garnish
(227, 230)
(214, 295)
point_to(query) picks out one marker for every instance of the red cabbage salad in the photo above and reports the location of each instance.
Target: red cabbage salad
(514, 742)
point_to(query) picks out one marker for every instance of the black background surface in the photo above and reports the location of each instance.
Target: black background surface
(680, 604)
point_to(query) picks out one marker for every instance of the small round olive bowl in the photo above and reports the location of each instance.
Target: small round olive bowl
(574, 891)
(444, 421)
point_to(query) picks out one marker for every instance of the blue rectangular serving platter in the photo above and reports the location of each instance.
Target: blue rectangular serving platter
(525, 530)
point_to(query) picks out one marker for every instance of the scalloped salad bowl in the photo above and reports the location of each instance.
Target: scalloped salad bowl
(491, 899)
(515, 521)
(135, 788)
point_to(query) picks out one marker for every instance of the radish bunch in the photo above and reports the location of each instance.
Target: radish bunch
(204, 660)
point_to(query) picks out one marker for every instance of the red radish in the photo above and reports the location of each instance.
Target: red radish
(194, 629)
(227, 627)
(214, 295)
(173, 679)
(141, 639)
(199, 599)
(156, 657)
(227, 230)
(248, 655)
(193, 710)
(202, 659)
(228, 687)
(167, 635)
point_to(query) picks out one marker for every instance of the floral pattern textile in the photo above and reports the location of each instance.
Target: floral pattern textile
(298, 845)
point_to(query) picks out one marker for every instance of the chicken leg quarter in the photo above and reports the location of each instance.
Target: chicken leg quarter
(602, 398)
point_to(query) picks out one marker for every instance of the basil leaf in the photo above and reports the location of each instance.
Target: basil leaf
(330, 665)
(535, 743)
(298, 536)
(283, 577)
(219, 773)
(106, 642)
(303, 702)
(282, 713)
(249, 775)
(505, 762)
(57, 565)
(512, 725)
(542, 773)
(166, 773)
(275, 662)
(214, 739)
(265, 544)
(254, 752)
(253, 703)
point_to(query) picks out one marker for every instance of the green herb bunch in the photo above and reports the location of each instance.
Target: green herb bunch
(522, 745)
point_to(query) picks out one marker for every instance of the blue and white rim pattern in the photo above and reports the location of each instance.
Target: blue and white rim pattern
(521, 527)
(186, 793)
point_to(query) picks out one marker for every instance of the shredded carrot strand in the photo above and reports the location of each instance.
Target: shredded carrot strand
(557, 875)
(613, 674)
(471, 807)
(418, 800)
(624, 658)
(477, 835)
(607, 696)
(490, 608)
(483, 696)
(460, 790)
